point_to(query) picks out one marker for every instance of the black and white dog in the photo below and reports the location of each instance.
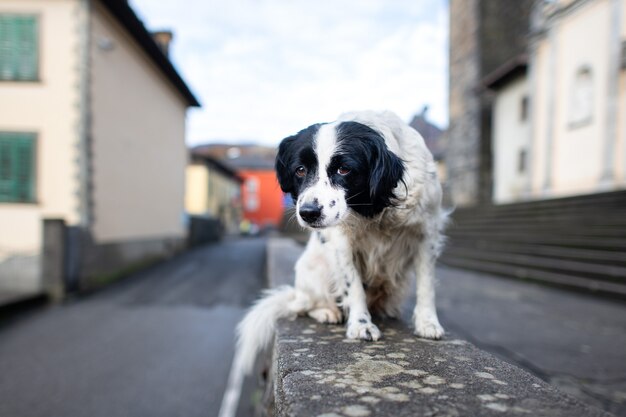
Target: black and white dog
(367, 186)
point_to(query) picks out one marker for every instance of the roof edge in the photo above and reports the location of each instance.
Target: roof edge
(226, 170)
(506, 72)
(135, 27)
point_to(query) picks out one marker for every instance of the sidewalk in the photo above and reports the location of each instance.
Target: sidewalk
(575, 342)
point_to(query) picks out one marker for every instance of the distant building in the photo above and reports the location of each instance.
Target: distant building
(559, 116)
(213, 190)
(484, 34)
(92, 125)
(434, 137)
(262, 198)
(511, 130)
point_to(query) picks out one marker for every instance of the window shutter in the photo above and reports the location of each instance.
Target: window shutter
(6, 168)
(18, 48)
(17, 167)
(24, 155)
(6, 52)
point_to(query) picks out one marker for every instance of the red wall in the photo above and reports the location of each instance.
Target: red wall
(262, 197)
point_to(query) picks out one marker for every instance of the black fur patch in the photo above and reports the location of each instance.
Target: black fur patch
(293, 152)
(374, 171)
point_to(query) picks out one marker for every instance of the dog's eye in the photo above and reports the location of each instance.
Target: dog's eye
(343, 170)
(301, 171)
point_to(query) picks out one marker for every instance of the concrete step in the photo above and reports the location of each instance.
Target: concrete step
(602, 257)
(569, 281)
(599, 271)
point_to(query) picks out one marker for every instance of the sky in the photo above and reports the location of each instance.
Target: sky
(265, 69)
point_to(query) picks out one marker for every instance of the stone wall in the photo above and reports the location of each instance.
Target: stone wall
(74, 262)
(316, 371)
(484, 34)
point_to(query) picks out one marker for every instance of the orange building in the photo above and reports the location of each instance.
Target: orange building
(262, 197)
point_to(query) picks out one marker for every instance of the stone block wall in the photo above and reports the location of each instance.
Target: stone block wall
(484, 34)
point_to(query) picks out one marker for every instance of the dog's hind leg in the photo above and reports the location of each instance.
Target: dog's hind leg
(301, 303)
(326, 315)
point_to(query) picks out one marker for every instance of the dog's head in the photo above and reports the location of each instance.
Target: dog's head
(334, 169)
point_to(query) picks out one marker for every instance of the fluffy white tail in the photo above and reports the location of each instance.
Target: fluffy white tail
(256, 330)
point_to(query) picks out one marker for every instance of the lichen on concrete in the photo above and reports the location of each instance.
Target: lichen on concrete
(320, 373)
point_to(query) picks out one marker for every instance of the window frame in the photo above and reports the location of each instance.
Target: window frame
(36, 78)
(578, 86)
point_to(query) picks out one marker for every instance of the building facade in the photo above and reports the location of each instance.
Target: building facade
(573, 92)
(213, 191)
(92, 122)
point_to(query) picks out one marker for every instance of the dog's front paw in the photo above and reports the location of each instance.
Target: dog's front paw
(363, 329)
(428, 328)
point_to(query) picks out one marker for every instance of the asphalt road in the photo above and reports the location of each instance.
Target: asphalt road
(159, 343)
(574, 341)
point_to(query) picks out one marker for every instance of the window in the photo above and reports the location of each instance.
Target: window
(252, 185)
(523, 109)
(581, 98)
(17, 167)
(252, 194)
(18, 48)
(521, 161)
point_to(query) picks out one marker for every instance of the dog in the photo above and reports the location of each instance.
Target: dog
(366, 186)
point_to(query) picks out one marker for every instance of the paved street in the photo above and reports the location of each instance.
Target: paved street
(161, 342)
(574, 341)
(157, 344)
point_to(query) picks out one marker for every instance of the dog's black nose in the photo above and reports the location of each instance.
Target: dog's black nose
(310, 212)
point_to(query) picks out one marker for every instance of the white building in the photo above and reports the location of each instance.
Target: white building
(559, 116)
(92, 125)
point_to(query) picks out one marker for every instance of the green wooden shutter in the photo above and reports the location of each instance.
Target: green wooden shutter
(17, 167)
(19, 58)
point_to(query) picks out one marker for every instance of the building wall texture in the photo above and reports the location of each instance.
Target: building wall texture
(138, 150)
(569, 42)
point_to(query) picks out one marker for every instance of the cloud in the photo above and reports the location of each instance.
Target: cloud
(264, 69)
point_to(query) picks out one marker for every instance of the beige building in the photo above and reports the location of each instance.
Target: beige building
(92, 124)
(560, 115)
(213, 191)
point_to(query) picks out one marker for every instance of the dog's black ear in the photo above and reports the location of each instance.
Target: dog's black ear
(285, 154)
(386, 171)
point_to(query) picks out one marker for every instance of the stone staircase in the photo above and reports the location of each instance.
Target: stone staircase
(577, 242)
